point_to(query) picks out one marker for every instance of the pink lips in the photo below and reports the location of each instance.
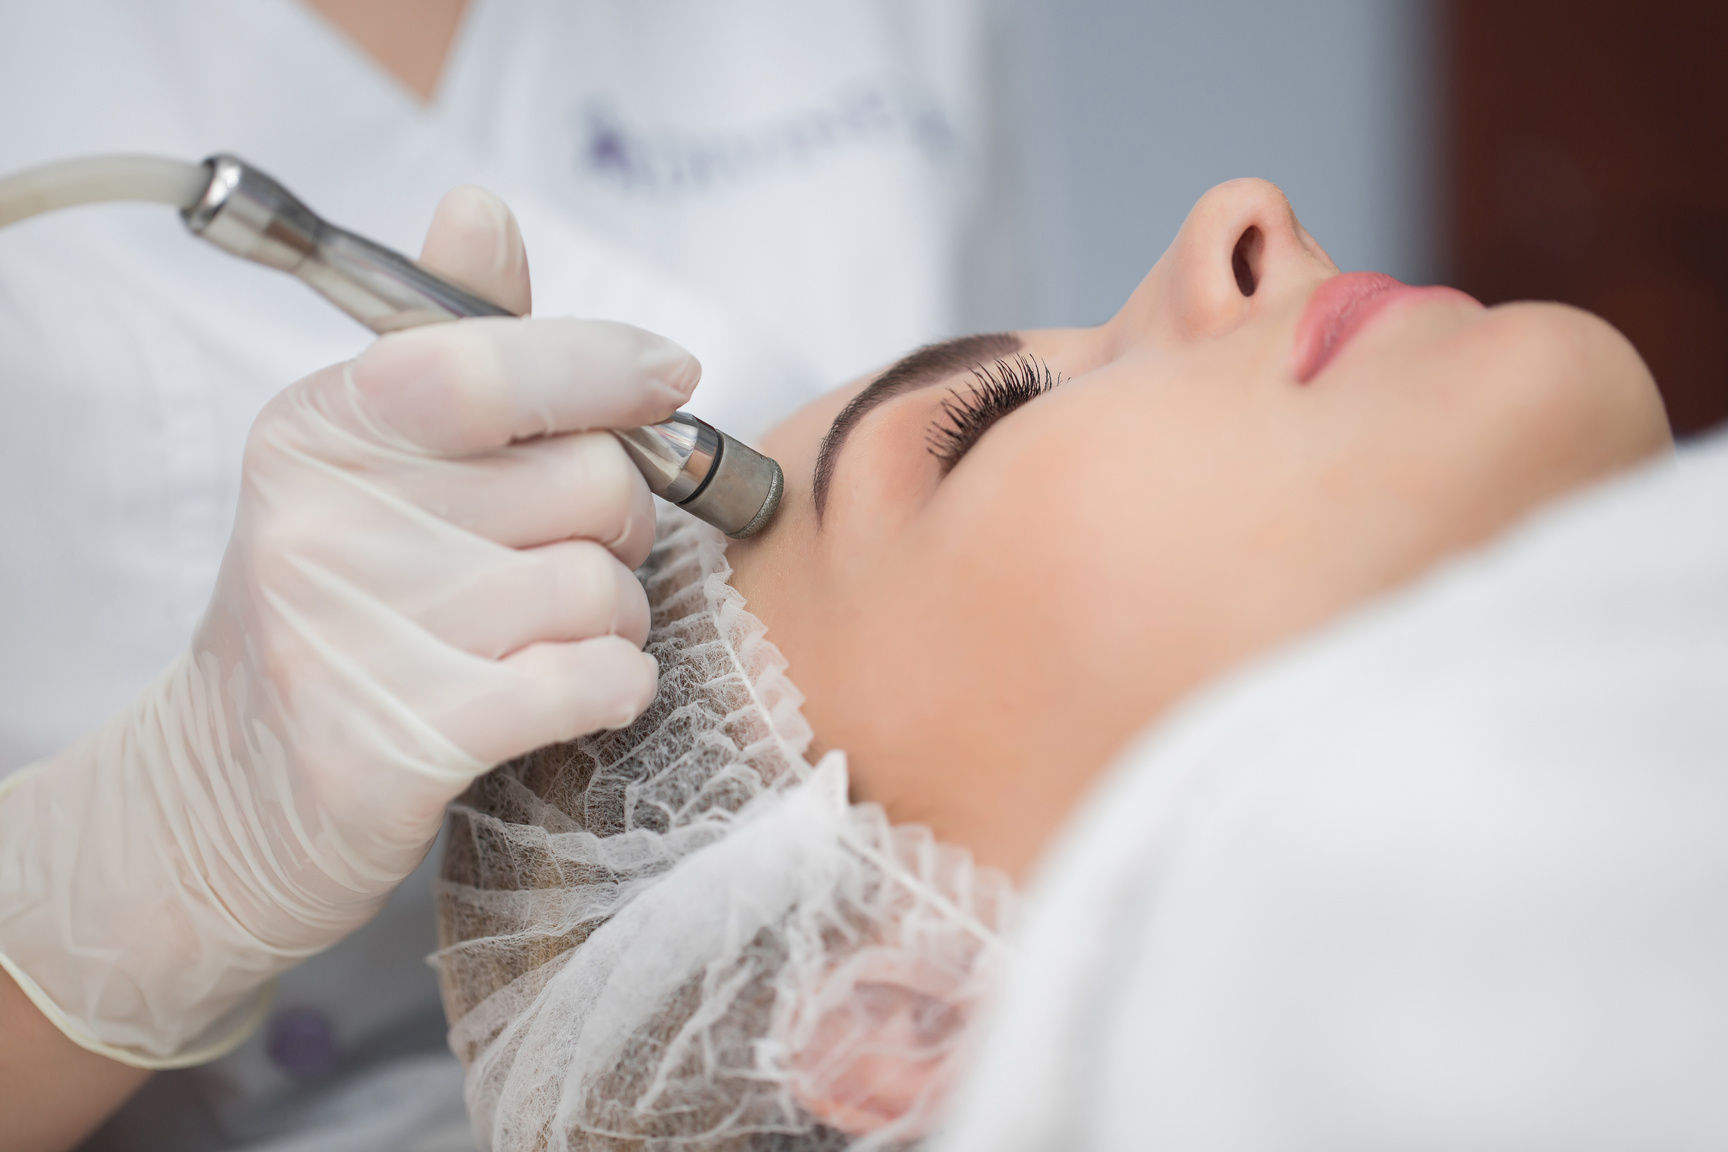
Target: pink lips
(1342, 307)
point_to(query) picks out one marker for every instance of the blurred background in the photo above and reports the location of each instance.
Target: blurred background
(1567, 150)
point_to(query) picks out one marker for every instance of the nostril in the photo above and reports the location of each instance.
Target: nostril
(1245, 260)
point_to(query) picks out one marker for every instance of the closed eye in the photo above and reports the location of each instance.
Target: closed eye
(997, 390)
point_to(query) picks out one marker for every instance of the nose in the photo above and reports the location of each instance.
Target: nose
(1240, 251)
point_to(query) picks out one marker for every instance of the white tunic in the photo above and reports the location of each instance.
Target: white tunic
(1452, 875)
(795, 192)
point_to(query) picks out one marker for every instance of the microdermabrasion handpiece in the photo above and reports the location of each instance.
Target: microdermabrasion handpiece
(685, 460)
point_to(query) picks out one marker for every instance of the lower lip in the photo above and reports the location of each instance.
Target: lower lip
(1344, 306)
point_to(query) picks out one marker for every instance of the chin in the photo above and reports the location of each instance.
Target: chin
(1577, 384)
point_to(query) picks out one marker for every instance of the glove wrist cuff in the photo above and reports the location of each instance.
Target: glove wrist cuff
(216, 1041)
(105, 922)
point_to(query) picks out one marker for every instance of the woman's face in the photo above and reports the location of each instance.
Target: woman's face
(988, 603)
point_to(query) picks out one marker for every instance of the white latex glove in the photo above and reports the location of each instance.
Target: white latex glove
(430, 572)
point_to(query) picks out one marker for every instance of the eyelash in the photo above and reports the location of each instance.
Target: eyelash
(1000, 389)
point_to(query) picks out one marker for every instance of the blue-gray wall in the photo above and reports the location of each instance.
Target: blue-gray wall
(1154, 102)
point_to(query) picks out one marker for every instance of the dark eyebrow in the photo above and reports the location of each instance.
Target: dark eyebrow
(929, 365)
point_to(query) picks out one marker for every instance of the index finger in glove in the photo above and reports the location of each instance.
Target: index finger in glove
(477, 385)
(579, 486)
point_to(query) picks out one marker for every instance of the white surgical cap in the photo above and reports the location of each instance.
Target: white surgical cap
(681, 934)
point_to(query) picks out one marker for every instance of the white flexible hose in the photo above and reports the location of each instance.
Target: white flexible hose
(97, 178)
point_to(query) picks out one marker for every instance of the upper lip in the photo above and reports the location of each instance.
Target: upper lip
(1342, 307)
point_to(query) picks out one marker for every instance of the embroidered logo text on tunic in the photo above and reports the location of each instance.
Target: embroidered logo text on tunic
(664, 161)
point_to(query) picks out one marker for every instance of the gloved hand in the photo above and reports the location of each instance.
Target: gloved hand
(430, 572)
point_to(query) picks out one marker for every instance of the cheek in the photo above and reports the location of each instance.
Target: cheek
(974, 645)
(913, 661)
